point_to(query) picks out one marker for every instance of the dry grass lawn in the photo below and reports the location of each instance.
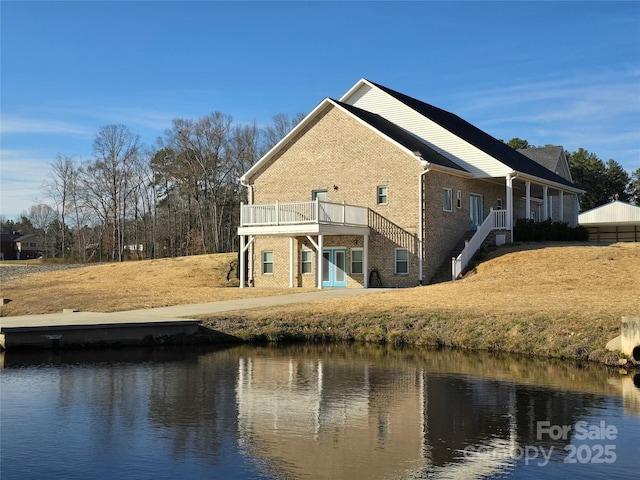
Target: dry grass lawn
(127, 286)
(553, 300)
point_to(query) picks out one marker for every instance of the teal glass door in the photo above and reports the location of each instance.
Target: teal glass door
(334, 267)
(475, 209)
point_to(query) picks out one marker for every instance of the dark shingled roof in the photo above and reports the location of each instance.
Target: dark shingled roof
(481, 140)
(401, 136)
(545, 156)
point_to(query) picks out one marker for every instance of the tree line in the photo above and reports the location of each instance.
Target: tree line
(603, 181)
(181, 196)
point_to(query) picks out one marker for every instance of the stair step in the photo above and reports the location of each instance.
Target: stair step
(443, 274)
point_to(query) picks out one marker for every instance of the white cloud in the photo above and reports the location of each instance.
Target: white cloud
(21, 176)
(600, 113)
(15, 124)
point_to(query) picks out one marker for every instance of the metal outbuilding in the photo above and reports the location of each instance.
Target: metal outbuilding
(613, 222)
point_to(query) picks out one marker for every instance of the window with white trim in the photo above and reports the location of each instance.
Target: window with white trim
(267, 262)
(356, 260)
(499, 203)
(306, 261)
(402, 261)
(383, 195)
(459, 199)
(446, 199)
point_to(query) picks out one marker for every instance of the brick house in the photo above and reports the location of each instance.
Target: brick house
(377, 189)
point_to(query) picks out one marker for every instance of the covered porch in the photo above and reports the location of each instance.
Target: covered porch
(543, 200)
(313, 221)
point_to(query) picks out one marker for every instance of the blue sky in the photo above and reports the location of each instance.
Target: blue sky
(563, 73)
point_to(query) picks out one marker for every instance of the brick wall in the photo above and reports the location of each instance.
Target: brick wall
(339, 154)
(338, 151)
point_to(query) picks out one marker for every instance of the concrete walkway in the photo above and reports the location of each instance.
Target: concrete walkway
(177, 312)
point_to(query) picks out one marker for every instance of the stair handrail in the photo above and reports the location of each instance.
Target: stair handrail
(495, 220)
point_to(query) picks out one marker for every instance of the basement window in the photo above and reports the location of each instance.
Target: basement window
(267, 262)
(402, 260)
(356, 260)
(306, 260)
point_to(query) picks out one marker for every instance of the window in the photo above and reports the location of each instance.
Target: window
(402, 260)
(321, 195)
(446, 199)
(459, 199)
(356, 260)
(267, 262)
(383, 195)
(306, 261)
(499, 203)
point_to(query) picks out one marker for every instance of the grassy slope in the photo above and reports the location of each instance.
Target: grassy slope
(127, 286)
(549, 300)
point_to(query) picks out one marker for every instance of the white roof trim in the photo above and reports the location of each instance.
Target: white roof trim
(548, 183)
(326, 102)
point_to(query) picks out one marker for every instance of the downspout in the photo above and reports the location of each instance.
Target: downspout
(427, 168)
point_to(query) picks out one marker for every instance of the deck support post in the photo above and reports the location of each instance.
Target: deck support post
(320, 257)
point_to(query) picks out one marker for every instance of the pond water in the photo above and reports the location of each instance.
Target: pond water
(304, 412)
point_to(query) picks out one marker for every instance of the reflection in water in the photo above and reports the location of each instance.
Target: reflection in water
(307, 412)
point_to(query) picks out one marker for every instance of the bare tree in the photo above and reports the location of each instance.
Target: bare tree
(59, 186)
(282, 124)
(110, 180)
(196, 159)
(42, 216)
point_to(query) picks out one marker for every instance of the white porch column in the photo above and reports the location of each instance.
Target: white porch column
(291, 262)
(509, 182)
(527, 213)
(243, 249)
(242, 267)
(320, 257)
(561, 206)
(365, 261)
(545, 202)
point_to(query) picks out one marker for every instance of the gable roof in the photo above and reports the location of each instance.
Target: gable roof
(612, 213)
(546, 156)
(479, 139)
(379, 124)
(401, 136)
(551, 157)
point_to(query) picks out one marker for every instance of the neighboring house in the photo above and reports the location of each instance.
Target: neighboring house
(16, 246)
(29, 246)
(8, 249)
(378, 188)
(612, 222)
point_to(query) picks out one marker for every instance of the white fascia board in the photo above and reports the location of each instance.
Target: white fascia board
(549, 183)
(267, 156)
(304, 229)
(451, 171)
(355, 88)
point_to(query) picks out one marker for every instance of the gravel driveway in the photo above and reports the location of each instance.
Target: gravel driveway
(10, 272)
